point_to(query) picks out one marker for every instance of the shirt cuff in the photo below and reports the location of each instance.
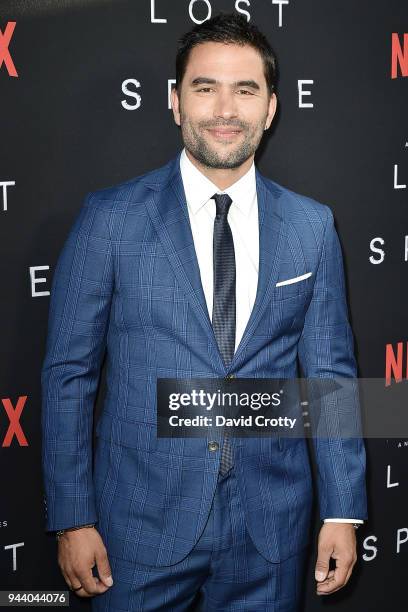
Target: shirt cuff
(342, 520)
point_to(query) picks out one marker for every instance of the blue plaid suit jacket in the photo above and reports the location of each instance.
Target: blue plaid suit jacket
(127, 279)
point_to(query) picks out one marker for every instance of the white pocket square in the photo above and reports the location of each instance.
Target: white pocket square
(293, 280)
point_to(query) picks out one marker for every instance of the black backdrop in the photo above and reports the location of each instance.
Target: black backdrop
(71, 122)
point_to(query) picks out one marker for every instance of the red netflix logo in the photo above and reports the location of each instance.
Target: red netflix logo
(4, 48)
(394, 363)
(399, 56)
(14, 428)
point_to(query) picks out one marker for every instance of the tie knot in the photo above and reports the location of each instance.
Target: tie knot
(222, 203)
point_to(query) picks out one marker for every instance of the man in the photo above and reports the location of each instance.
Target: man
(163, 271)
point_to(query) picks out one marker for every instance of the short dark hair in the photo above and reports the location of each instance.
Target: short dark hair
(227, 28)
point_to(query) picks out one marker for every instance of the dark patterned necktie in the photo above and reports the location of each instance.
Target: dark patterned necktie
(223, 313)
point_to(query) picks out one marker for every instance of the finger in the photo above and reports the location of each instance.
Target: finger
(329, 587)
(325, 588)
(338, 578)
(72, 581)
(85, 578)
(90, 583)
(327, 580)
(343, 566)
(73, 584)
(103, 566)
(349, 573)
(322, 563)
(80, 592)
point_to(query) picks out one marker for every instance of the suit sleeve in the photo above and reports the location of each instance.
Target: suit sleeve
(326, 351)
(80, 300)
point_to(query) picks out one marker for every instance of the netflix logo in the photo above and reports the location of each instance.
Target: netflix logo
(5, 56)
(396, 362)
(399, 56)
(14, 429)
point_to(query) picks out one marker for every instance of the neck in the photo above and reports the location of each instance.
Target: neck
(222, 177)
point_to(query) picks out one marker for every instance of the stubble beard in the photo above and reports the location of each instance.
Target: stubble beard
(225, 157)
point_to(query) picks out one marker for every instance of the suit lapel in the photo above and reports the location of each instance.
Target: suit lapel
(169, 214)
(168, 211)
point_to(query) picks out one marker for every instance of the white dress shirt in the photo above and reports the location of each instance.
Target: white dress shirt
(243, 221)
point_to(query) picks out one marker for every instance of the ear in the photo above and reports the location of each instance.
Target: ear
(175, 105)
(273, 103)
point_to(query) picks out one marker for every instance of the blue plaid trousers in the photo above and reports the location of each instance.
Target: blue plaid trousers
(224, 567)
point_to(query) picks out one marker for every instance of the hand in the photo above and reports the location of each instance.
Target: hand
(336, 540)
(78, 551)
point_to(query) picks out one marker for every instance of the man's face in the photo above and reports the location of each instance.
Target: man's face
(224, 105)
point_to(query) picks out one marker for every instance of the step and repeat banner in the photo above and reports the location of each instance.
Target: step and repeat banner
(85, 104)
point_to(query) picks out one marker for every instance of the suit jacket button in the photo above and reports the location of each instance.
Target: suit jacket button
(213, 446)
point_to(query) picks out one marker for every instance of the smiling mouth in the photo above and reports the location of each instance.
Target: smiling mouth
(224, 133)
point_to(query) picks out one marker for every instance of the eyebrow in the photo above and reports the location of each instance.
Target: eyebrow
(208, 81)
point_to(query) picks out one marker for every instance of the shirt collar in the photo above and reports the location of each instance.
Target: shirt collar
(199, 189)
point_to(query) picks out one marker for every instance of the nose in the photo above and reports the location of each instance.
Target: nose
(225, 105)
